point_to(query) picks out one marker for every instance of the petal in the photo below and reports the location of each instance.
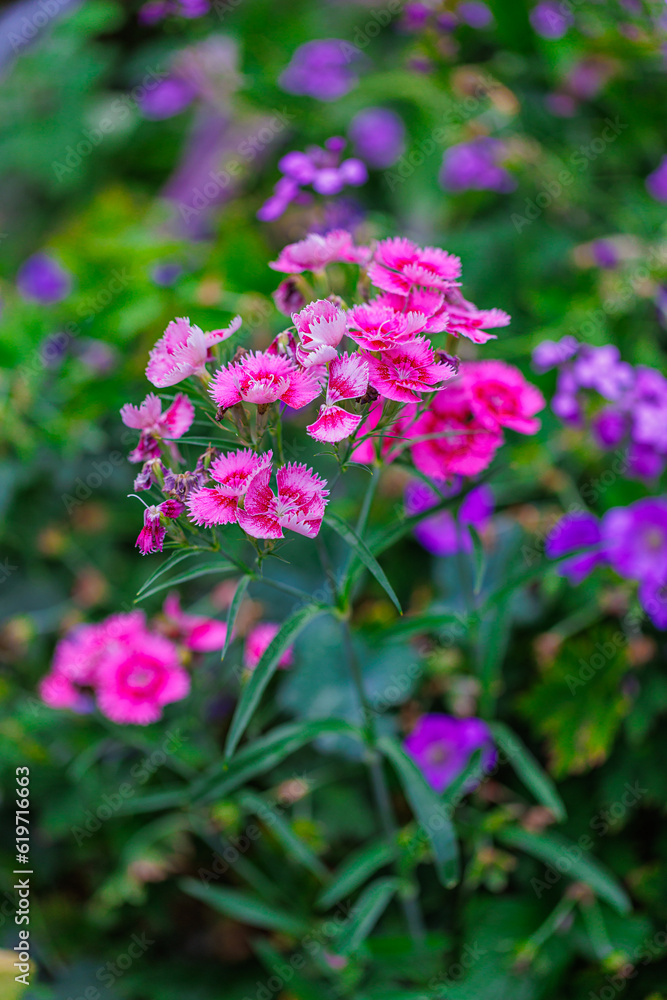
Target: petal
(142, 417)
(178, 418)
(209, 506)
(333, 424)
(348, 378)
(225, 387)
(260, 525)
(303, 389)
(217, 336)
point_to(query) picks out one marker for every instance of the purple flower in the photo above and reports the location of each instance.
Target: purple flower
(653, 599)
(635, 539)
(575, 531)
(324, 69)
(644, 462)
(604, 254)
(442, 745)
(656, 183)
(378, 135)
(42, 279)
(169, 98)
(552, 353)
(441, 535)
(550, 20)
(609, 427)
(475, 13)
(475, 166)
(319, 167)
(166, 274)
(415, 16)
(601, 368)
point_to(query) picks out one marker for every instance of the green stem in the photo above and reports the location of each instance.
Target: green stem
(410, 905)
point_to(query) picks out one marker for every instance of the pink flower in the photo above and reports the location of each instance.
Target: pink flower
(258, 641)
(321, 327)
(501, 397)
(233, 472)
(155, 425)
(348, 379)
(399, 264)
(263, 378)
(466, 320)
(377, 326)
(152, 535)
(453, 441)
(407, 370)
(315, 252)
(137, 679)
(298, 505)
(200, 634)
(183, 350)
(58, 691)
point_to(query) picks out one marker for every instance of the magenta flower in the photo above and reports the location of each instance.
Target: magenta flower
(321, 327)
(258, 641)
(575, 531)
(298, 505)
(316, 252)
(348, 379)
(137, 680)
(442, 745)
(377, 326)
(233, 474)
(183, 351)
(152, 535)
(399, 264)
(200, 634)
(448, 439)
(155, 425)
(405, 371)
(501, 397)
(465, 320)
(263, 378)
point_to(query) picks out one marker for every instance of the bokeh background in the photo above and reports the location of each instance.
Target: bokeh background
(136, 150)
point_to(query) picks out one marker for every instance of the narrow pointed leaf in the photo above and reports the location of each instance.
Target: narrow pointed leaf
(264, 671)
(232, 614)
(243, 907)
(350, 536)
(283, 832)
(432, 814)
(218, 566)
(354, 872)
(528, 770)
(365, 914)
(178, 557)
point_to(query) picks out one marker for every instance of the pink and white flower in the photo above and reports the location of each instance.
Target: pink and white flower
(263, 378)
(315, 252)
(137, 679)
(348, 379)
(233, 474)
(299, 503)
(399, 264)
(184, 350)
(200, 634)
(377, 326)
(407, 370)
(152, 535)
(156, 426)
(321, 327)
(257, 642)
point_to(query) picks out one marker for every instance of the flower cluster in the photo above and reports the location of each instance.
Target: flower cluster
(320, 168)
(325, 69)
(632, 540)
(386, 385)
(634, 412)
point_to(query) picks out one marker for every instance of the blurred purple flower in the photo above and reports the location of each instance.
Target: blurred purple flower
(609, 427)
(552, 353)
(156, 10)
(42, 279)
(635, 539)
(475, 166)
(165, 274)
(441, 535)
(550, 20)
(319, 167)
(604, 254)
(442, 745)
(475, 13)
(573, 532)
(325, 69)
(378, 135)
(601, 368)
(653, 598)
(171, 96)
(656, 183)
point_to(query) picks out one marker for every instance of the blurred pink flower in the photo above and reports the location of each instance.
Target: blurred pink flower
(257, 642)
(200, 634)
(315, 252)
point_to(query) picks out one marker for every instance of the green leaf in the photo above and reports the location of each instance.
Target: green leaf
(365, 914)
(164, 567)
(553, 850)
(430, 811)
(265, 753)
(239, 594)
(243, 907)
(479, 558)
(350, 536)
(170, 798)
(283, 832)
(417, 624)
(528, 769)
(216, 566)
(354, 872)
(264, 671)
